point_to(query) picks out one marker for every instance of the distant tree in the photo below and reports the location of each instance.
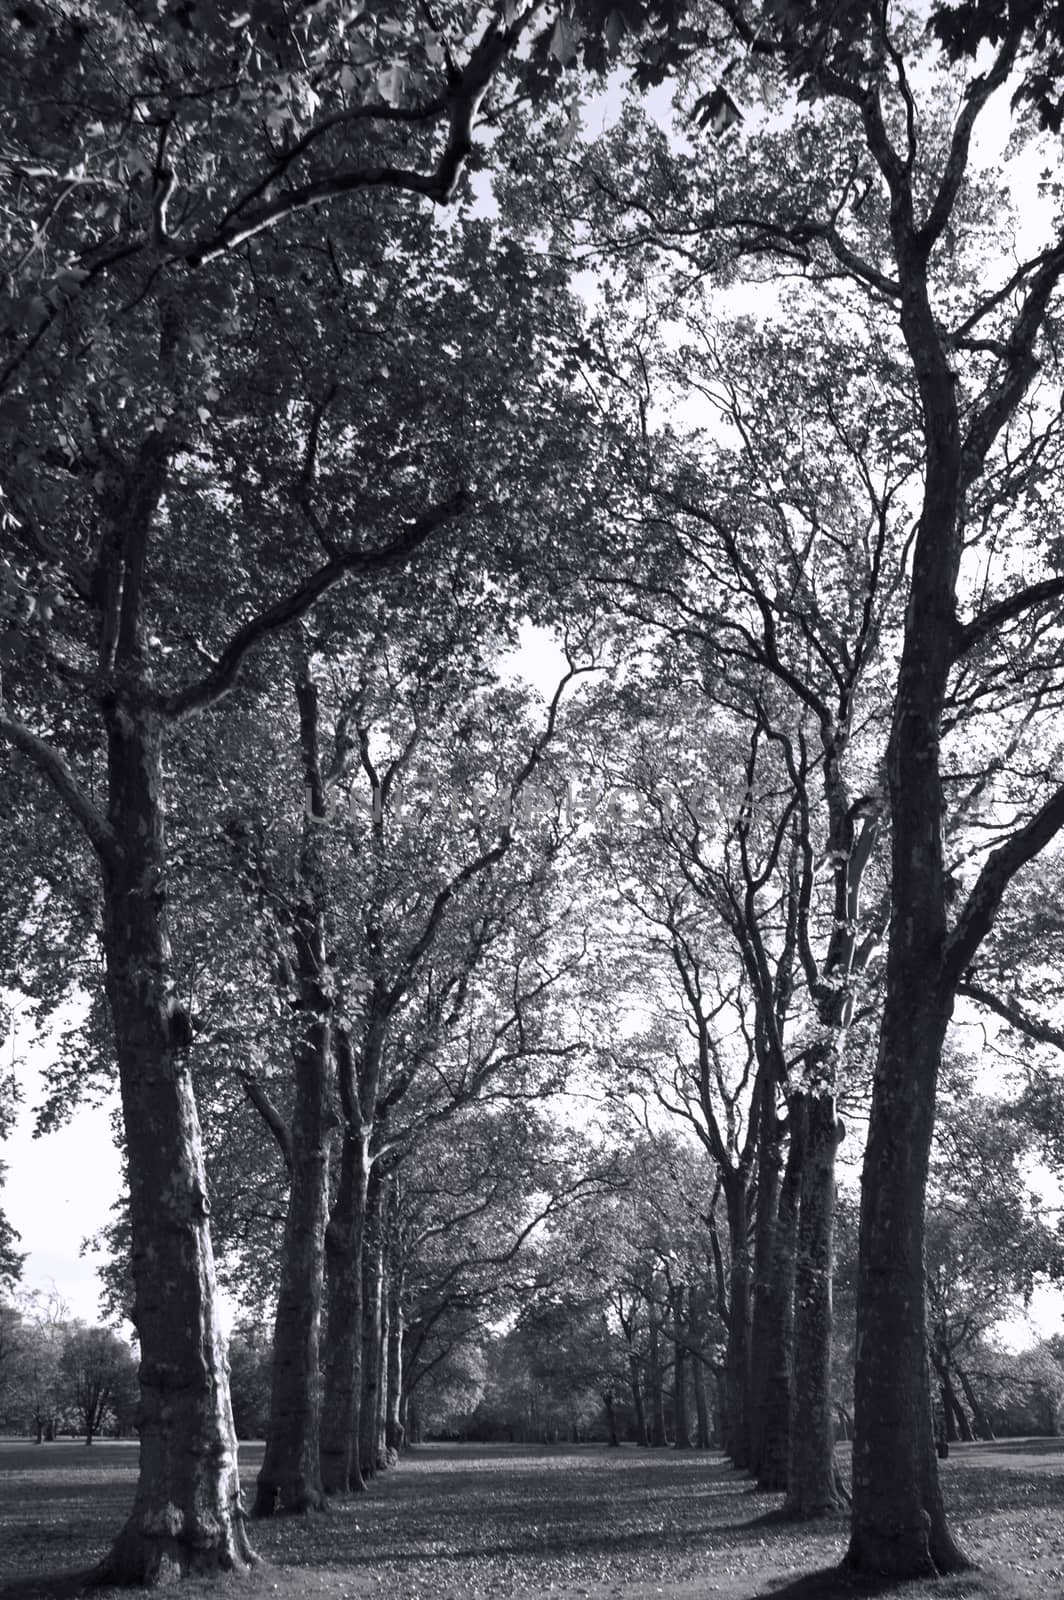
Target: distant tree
(96, 1370)
(249, 1380)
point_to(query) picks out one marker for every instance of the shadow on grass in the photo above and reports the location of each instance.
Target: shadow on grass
(49, 1586)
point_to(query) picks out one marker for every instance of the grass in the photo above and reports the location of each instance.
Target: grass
(523, 1523)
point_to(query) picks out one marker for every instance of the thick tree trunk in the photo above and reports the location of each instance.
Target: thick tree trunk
(899, 1525)
(776, 1433)
(187, 1516)
(342, 1387)
(290, 1477)
(812, 1477)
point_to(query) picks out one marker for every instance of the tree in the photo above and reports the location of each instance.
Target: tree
(96, 1369)
(126, 395)
(970, 360)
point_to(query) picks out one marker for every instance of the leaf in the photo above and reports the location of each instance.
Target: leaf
(565, 41)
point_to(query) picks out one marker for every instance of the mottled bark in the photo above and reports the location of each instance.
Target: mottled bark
(812, 1477)
(342, 1386)
(187, 1516)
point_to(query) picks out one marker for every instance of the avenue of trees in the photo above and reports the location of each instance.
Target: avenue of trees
(499, 1046)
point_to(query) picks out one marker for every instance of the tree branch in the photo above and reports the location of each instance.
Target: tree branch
(1005, 610)
(1002, 865)
(223, 675)
(48, 760)
(1012, 1013)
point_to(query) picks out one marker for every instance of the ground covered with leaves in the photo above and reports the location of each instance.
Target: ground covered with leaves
(467, 1522)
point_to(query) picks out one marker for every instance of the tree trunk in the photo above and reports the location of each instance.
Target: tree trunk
(658, 1436)
(642, 1436)
(737, 1359)
(680, 1429)
(899, 1522)
(765, 1321)
(369, 1453)
(979, 1416)
(776, 1432)
(342, 1387)
(611, 1419)
(290, 1477)
(394, 1430)
(698, 1372)
(187, 1516)
(811, 1473)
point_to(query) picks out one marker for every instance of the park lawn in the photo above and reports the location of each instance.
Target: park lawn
(471, 1522)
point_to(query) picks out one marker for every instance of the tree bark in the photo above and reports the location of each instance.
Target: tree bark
(680, 1428)
(289, 1479)
(187, 1515)
(979, 1416)
(737, 1359)
(765, 1322)
(395, 1436)
(342, 1387)
(369, 1453)
(812, 1477)
(655, 1386)
(776, 1434)
(642, 1437)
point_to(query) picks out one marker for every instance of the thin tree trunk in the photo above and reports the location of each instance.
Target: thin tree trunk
(611, 1419)
(680, 1427)
(698, 1371)
(658, 1436)
(979, 1416)
(395, 1434)
(187, 1515)
(642, 1436)
(812, 1477)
